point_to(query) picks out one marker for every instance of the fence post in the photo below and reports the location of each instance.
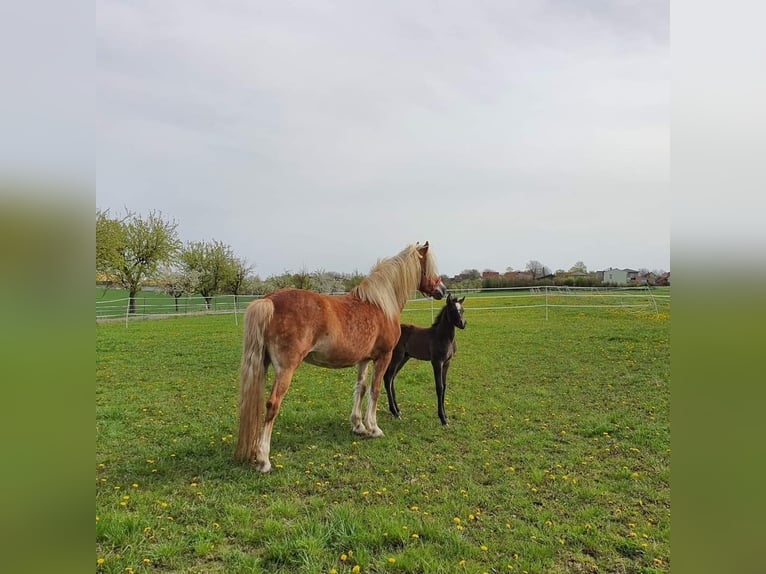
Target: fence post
(546, 302)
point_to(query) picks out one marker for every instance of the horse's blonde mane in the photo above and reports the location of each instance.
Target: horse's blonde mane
(393, 279)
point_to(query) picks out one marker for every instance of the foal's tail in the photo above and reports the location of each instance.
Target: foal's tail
(252, 378)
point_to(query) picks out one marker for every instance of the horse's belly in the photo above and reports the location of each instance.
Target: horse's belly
(331, 362)
(325, 353)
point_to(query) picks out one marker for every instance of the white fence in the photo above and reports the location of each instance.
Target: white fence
(501, 299)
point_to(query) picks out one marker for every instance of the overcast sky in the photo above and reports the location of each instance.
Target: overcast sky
(326, 135)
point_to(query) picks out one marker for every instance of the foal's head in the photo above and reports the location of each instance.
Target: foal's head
(454, 311)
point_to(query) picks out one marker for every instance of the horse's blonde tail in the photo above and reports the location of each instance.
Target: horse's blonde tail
(252, 381)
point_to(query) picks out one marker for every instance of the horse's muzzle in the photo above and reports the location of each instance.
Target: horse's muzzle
(439, 291)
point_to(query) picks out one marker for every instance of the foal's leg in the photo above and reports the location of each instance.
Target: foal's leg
(439, 380)
(359, 391)
(397, 362)
(282, 378)
(371, 418)
(443, 413)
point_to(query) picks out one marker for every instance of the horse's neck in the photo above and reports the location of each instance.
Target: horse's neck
(445, 328)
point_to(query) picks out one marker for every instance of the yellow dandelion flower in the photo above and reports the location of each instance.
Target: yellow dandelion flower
(134, 485)
(333, 571)
(483, 548)
(456, 520)
(356, 569)
(100, 561)
(147, 561)
(365, 493)
(414, 507)
(415, 535)
(461, 563)
(391, 560)
(343, 557)
(350, 553)
(471, 517)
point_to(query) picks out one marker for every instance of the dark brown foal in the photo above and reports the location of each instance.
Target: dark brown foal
(435, 343)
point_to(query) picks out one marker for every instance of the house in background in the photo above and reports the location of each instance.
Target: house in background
(663, 279)
(619, 276)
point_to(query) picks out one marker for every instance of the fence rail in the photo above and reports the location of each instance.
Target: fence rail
(546, 297)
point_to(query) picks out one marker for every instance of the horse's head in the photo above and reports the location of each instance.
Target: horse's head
(431, 283)
(455, 311)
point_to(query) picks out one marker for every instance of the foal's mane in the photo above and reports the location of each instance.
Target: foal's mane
(393, 279)
(439, 315)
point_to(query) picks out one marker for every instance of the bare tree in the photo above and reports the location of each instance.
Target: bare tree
(537, 269)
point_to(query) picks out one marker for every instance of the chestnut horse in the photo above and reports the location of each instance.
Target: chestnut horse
(291, 326)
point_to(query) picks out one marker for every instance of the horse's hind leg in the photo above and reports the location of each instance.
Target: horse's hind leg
(389, 379)
(440, 378)
(283, 377)
(359, 391)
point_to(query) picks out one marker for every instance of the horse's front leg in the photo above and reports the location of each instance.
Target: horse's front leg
(359, 391)
(371, 419)
(440, 377)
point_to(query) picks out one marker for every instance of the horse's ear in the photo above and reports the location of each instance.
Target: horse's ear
(449, 297)
(422, 250)
(461, 300)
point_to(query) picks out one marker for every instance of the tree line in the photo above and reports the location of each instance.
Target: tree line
(133, 251)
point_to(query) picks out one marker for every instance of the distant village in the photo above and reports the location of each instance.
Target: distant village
(542, 276)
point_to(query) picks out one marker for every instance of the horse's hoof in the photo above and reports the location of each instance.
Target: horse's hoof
(263, 466)
(376, 433)
(361, 430)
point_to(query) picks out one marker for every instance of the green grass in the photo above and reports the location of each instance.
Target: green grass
(556, 459)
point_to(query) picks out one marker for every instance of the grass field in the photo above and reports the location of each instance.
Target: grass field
(556, 459)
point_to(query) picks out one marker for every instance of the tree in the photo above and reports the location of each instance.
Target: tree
(302, 279)
(178, 283)
(239, 273)
(578, 267)
(130, 250)
(537, 269)
(214, 263)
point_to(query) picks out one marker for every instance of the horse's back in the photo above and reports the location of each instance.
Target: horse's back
(330, 330)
